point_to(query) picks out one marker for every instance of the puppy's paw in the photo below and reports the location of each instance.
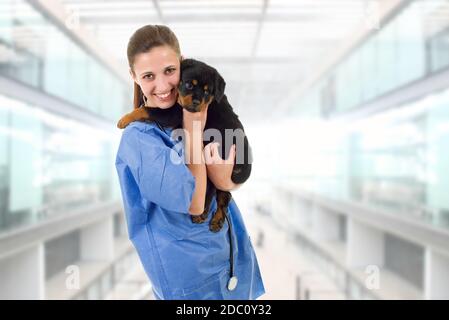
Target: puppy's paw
(216, 224)
(199, 219)
(124, 121)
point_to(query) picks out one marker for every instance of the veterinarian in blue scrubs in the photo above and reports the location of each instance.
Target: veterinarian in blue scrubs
(183, 260)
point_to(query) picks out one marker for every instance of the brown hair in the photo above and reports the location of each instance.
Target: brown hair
(145, 39)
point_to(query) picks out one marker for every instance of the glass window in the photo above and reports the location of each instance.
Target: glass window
(94, 99)
(77, 76)
(410, 45)
(56, 164)
(118, 106)
(437, 124)
(37, 53)
(436, 31)
(369, 77)
(438, 50)
(27, 35)
(56, 71)
(6, 21)
(26, 161)
(387, 57)
(342, 92)
(348, 87)
(104, 86)
(48, 163)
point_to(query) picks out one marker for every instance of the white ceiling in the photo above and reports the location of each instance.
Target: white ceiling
(263, 48)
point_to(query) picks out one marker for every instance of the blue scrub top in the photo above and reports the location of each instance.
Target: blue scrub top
(183, 260)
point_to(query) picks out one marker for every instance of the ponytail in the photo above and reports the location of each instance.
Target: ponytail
(138, 100)
(138, 96)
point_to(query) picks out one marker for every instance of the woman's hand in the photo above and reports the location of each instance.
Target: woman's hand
(219, 170)
(194, 121)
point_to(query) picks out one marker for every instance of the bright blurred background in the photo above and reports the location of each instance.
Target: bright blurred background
(345, 103)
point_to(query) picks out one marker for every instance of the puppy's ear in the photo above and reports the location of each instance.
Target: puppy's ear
(186, 63)
(219, 87)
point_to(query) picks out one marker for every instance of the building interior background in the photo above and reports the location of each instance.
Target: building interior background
(345, 104)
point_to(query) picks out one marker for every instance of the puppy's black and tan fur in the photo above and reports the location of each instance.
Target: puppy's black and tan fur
(201, 85)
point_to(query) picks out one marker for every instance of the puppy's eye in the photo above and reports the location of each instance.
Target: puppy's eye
(189, 86)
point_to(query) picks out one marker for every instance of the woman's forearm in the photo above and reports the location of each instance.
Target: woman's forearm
(196, 165)
(193, 124)
(199, 195)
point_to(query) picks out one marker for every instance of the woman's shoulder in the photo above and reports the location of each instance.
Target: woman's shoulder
(139, 130)
(140, 126)
(146, 135)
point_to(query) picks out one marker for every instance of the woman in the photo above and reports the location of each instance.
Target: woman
(160, 191)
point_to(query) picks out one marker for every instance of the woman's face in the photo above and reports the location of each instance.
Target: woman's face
(157, 72)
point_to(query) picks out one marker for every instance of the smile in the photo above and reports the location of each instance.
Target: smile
(164, 96)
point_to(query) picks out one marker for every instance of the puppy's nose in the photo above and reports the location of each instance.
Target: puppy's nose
(196, 101)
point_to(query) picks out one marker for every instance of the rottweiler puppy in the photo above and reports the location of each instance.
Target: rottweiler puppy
(201, 85)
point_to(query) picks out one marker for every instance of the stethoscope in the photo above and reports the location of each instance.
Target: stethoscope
(233, 280)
